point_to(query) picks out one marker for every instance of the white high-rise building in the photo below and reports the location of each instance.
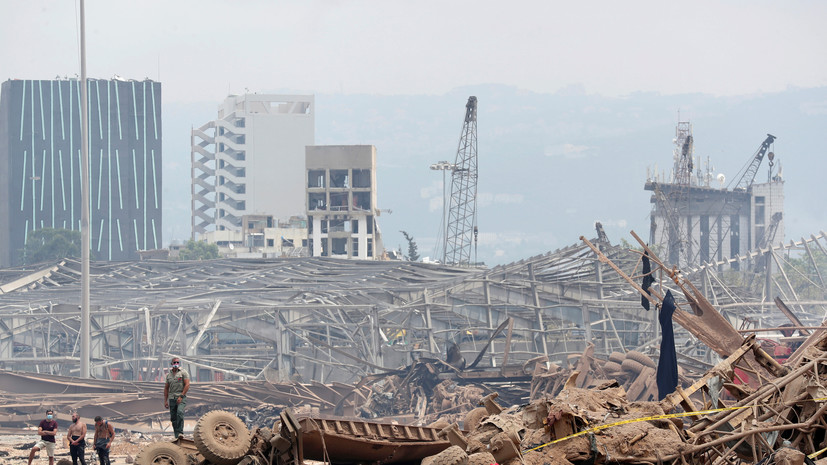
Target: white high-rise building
(250, 160)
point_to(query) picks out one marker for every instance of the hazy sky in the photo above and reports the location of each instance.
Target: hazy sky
(201, 49)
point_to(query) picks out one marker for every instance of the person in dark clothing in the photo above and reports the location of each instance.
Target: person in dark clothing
(104, 434)
(77, 440)
(667, 376)
(648, 280)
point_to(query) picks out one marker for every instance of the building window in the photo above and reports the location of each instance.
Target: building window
(338, 201)
(354, 247)
(270, 242)
(760, 211)
(315, 179)
(336, 226)
(370, 247)
(361, 201)
(316, 202)
(339, 245)
(324, 226)
(339, 179)
(361, 178)
(355, 226)
(370, 224)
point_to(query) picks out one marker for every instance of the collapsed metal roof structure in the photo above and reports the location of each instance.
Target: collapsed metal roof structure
(328, 320)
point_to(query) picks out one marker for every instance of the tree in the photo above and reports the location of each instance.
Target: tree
(51, 244)
(198, 250)
(413, 252)
(804, 277)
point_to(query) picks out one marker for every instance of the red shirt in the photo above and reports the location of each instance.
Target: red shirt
(48, 425)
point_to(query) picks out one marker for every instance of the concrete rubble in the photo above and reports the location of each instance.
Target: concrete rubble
(716, 419)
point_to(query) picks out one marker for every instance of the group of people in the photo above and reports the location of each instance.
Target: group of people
(76, 435)
(175, 399)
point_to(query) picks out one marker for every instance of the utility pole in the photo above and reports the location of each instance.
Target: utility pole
(444, 166)
(84, 216)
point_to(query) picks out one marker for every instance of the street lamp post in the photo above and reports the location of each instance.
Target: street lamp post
(444, 166)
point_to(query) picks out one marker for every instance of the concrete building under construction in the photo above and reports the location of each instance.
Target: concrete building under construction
(341, 202)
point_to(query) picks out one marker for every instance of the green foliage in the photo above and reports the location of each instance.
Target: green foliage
(198, 250)
(804, 277)
(413, 250)
(51, 244)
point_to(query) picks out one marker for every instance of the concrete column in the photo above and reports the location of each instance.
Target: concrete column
(363, 238)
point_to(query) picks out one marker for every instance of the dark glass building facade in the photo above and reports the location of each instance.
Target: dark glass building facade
(40, 155)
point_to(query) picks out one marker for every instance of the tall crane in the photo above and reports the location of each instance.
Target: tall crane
(462, 210)
(746, 179)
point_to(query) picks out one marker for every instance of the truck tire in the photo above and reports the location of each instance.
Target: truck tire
(473, 418)
(641, 358)
(161, 453)
(453, 455)
(617, 357)
(221, 437)
(632, 366)
(481, 458)
(612, 367)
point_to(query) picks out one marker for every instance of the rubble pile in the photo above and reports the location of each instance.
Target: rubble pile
(421, 394)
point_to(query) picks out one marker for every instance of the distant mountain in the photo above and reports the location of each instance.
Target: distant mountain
(550, 165)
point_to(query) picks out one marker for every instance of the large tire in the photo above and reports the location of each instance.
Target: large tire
(617, 357)
(439, 424)
(641, 358)
(473, 418)
(481, 458)
(453, 455)
(221, 437)
(632, 366)
(612, 367)
(161, 453)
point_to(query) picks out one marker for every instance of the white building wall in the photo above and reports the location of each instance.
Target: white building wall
(276, 129)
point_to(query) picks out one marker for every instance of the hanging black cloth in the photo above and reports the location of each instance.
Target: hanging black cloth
(668, 362)
(648, 280)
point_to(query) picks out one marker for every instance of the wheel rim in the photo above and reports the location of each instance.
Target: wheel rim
(163, 459)
(225, 433)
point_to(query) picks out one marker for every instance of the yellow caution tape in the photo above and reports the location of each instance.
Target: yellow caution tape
(816, 453)
(654, 417)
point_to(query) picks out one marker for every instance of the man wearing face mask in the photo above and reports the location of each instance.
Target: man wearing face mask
(175, 395)
(77, 440)
(47, 429)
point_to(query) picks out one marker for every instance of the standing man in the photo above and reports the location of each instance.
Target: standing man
(175, 395)
(104, 434)
(47, 429)
(77, 440)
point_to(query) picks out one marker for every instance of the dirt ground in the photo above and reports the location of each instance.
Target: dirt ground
(14, 449)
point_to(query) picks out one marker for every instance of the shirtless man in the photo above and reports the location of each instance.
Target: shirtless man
(77, 440)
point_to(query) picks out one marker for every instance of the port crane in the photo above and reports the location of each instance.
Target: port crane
(746, 179)
(462, 211)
